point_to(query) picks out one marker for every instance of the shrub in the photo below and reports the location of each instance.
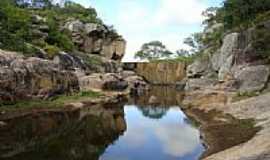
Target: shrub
(52, 51)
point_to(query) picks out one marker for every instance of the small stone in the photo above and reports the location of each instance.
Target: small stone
(153, 100)
(2, 123)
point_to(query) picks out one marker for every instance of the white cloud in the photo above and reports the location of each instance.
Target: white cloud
(140, 25)
(178, 140)
(140, 22)
(180, 12)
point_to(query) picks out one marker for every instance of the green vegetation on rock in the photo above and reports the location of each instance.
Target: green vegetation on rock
(22, 24)
(58, 101)
(233, 16)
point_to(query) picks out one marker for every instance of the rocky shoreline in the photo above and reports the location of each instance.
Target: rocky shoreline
(233, 85)
(227, 92)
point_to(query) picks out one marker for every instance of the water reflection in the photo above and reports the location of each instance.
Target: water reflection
(169, 137)
(137, 131)
(156, 129)
(66, 135)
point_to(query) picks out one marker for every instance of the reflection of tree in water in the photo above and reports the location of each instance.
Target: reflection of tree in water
(61, 135)
(153, 112)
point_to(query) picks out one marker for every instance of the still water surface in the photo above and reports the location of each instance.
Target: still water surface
(156, 133)
(132, 131)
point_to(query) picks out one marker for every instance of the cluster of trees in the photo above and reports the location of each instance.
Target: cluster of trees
(16, 24)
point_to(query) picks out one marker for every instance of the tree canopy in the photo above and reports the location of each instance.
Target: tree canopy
(153, 50)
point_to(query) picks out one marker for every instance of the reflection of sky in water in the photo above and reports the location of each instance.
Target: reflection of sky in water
(167, 138)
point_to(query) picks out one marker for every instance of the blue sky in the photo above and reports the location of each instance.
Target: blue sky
(140, 21)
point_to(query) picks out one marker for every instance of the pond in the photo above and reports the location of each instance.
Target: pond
(158, 133)
(136, 130)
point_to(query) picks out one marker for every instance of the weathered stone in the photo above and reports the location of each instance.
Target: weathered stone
(74, 26)
(230, 44)
(137, 85)
(200, 83)
(70, 62)
(90, 27)
(252, 78)
(153, 100)
(223, 60)
(203, 98)
(225, 69)
(97, 39)
(115, 85)
(2, 124)
(162, 73)
(108, 81)
(215, 60)
(33, 78)
(126, 74)
(199, 68)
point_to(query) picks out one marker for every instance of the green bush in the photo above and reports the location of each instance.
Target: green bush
(93, 60)
(52, 51)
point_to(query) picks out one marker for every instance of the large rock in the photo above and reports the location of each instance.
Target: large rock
(97, 39)
(108, 81)
(137, 84)
(223, 60)
(225, 70)
(230, 45)
(162, 73)
(87, 63)
(32, 78)
(199, 68)
(200, 83)
(252, 78)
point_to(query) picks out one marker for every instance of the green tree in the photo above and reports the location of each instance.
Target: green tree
(153, 50)
(237, 13)
(15, 26)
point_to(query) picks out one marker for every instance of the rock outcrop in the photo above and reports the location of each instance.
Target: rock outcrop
(97, 39)
(236, 65)
(252, 78)
(87, 64)
(32, 78)
(129, 82)
(232, 82)
(162, 72)
(98, 81)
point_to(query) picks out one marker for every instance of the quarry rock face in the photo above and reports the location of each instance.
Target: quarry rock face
(162, 73)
